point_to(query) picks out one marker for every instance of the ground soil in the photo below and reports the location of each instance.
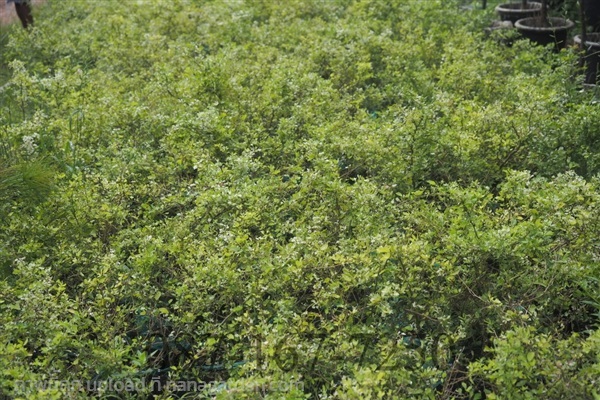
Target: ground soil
(8, 14)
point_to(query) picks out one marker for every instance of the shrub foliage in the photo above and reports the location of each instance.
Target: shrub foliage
(364, 199)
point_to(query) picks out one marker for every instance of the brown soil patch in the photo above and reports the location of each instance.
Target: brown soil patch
(8, 13)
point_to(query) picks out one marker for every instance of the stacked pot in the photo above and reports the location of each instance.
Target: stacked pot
(527, 19)
(530, 20)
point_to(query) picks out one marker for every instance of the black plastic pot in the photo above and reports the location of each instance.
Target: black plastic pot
(555, 34)
(591, 57)
(512, 11)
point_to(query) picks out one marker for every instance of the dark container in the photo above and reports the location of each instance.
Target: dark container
(512, 11)
(556, 33)
(591, 57)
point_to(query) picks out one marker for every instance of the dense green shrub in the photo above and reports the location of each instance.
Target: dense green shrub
(361, 199)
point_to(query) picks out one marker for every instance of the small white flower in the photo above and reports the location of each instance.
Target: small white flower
(29, 143)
